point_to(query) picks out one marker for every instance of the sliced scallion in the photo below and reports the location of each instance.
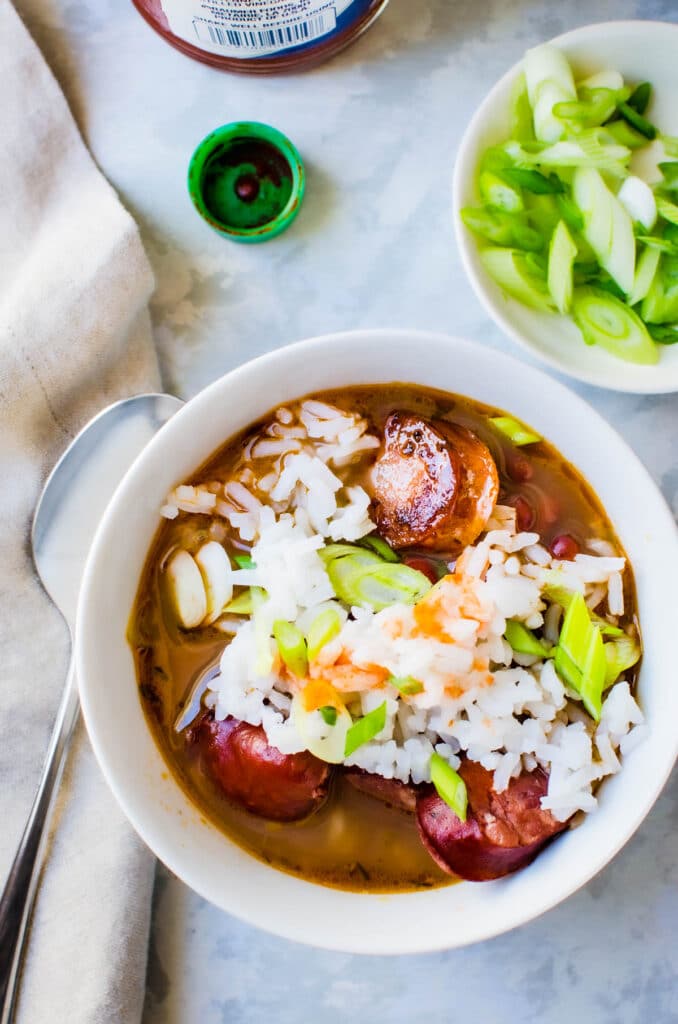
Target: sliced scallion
(595, 107)
(562, 252)
(380, 547)
(580, 657)
(244, 561)
(569, 212)
(407, 685)
(623, 134)
(646, 268)
(669, 169)
(499, 193)
(639, 100)
(523, 640)
(522, 127)
(375, 585)
(637, 121)
(620, 654)
(664, 334)
(242, 604)
(517, 277)
(667, 210)
(533, 181)
(660, 305)
(516, 431)
(449, 785)
(606, 321)
(502, 228)
(639, 201)
(329, 715)
(292, 646)
(670, 144)
(332, 551)
(325, 626)
(365, 729)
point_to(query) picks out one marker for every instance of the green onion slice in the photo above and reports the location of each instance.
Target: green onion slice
(523, 640)
(329, 715)
(497, 192)
(670, 144)
(375, 584)
(569, 212)
(646, 268)
(365, 729)
(380, 547)
(580, 656)
(292, 646)
(407, 685)
(664, 334)
(605, 320)
(622, 133)
(516, 431)
(637, 121)
(562, 253)
(243, 604)
(620, 654)
(325, 626)
(669, 169)
(518, 277)
(332, 551)
(639, 99)
(244, 561)
(449, 785)
(533, 181)
(522, 127)
(667, 210)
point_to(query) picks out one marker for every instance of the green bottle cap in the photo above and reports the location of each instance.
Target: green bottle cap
(247, 181)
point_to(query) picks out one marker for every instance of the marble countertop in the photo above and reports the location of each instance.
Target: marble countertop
(378, 128)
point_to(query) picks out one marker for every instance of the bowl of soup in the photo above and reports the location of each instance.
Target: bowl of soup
(369, 642)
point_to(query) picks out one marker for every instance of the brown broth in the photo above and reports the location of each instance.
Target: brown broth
(354, 842)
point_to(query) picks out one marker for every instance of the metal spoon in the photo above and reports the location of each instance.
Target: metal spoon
(66, 516)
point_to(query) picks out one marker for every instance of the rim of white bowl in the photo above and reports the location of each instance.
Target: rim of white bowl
(108, 751)
(655, 383)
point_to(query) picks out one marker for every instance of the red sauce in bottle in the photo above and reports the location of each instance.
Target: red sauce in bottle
(260, 36)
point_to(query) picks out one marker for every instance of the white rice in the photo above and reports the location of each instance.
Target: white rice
(509, 712)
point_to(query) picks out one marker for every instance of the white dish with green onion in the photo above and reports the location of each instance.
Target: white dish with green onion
(566, 204)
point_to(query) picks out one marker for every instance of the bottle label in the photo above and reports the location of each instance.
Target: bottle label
(259, 28)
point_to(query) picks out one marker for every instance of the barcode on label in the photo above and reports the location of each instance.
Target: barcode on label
(267, 39)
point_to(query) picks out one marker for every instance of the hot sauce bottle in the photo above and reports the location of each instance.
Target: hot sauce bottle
(260, 36)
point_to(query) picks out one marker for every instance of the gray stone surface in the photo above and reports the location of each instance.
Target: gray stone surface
(378, 128)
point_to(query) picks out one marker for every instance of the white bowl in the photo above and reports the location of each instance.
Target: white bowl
(641, 50)
(164, 817)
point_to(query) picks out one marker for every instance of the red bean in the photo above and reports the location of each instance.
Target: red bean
(564, 547)
(519, 469)
(525, 514)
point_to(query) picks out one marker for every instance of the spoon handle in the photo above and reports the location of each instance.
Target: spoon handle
(18, 896)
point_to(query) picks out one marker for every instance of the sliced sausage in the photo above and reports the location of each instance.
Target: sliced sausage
(502, 832)
(243, 764)
(391, 791)
(435, 484)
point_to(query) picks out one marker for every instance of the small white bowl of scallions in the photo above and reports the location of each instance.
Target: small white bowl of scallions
(566, 204)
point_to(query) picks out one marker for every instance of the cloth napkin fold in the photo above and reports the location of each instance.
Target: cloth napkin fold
(74, 336)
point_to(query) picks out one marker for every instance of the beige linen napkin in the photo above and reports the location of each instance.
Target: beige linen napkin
(74, 336)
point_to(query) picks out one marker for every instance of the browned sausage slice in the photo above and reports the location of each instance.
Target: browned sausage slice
(242, 763)
(435, 484)
(502, 832)
(398, 794)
